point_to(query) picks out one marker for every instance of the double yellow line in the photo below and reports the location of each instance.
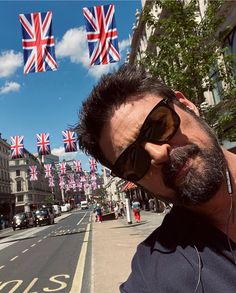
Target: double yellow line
(79, 272)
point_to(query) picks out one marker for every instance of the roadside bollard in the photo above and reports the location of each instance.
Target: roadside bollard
(128, 212)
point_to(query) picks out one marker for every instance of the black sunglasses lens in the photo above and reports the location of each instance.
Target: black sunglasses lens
(161, 125)
(133, 163)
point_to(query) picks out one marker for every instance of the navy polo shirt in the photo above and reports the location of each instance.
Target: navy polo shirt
(185, 254)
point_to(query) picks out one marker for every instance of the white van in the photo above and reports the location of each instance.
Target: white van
(84, 204)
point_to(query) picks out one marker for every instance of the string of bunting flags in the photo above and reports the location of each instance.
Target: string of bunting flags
(38, 42)
(43, 144)
(74, 179)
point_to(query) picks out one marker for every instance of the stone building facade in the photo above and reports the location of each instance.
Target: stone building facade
(29, 195)
(7, 201)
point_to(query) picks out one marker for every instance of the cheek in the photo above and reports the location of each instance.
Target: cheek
(153, 182)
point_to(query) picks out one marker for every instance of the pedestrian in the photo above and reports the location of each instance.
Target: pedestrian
(122, 209)
(151, 204)
(136, 210)
(95, 211)
(99, 213)
(2, 222)
(116, 210)
(148, 134)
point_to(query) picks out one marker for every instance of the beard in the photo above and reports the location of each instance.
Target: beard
(201, 181)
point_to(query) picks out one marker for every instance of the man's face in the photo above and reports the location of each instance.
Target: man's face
(188, 169)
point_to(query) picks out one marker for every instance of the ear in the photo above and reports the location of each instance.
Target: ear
(186, 102)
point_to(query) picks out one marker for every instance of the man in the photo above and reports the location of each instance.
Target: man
(146, 133)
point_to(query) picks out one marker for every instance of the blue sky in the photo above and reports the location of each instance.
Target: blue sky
(49, 101)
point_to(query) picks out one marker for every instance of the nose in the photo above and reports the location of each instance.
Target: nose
(158, 153)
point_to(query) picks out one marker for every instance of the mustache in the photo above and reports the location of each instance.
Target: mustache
(177, 158)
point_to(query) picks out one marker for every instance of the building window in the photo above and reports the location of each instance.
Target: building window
(18, 186)
(230, 43)
(17, 172)
(20, 198)
(29, 185)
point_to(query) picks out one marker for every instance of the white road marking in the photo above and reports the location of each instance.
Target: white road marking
(82, 219)
(33, 245)
(79, 272)
(39, 240)
(31, 285)
(1, 267)
(15, 257)
(25, 250)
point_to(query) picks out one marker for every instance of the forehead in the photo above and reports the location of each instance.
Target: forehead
(124, 125)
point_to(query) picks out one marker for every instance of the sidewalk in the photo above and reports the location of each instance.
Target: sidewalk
(114, 244)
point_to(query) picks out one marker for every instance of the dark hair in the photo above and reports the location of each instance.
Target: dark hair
(113, 90)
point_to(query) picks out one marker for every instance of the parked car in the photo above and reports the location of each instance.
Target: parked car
(22, 220)
(57, 210)
(65, 208)
(84, 204)
(44, 216)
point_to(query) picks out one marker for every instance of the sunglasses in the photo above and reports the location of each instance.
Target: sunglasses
(160, 126)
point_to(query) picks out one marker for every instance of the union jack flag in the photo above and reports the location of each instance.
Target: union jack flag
(93, 165)
(61, 182)
(86, 187)
(48, 170)
(69, 140)
(79, 184)
(101, 34)
(71, 181)
(43, 144)
(33, 173)
(82, 178)
(94, 185)
(51, 182)
(77, 166)
(93, 177)
(17, 147)
(62, 168)
(38, 42)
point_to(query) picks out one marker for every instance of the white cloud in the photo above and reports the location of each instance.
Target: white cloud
(60, 152)
(124, 45)
(10, 87)
(74, 46)
(9, 62)
(98, 70)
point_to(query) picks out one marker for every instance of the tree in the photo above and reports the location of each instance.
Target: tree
(185, 53)
(49, 199)
(101, 193)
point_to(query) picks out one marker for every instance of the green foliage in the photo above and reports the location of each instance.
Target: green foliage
(101, 193)
(49, 199)
(189, 53)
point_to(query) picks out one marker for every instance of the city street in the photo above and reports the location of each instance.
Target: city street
(46, 258)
